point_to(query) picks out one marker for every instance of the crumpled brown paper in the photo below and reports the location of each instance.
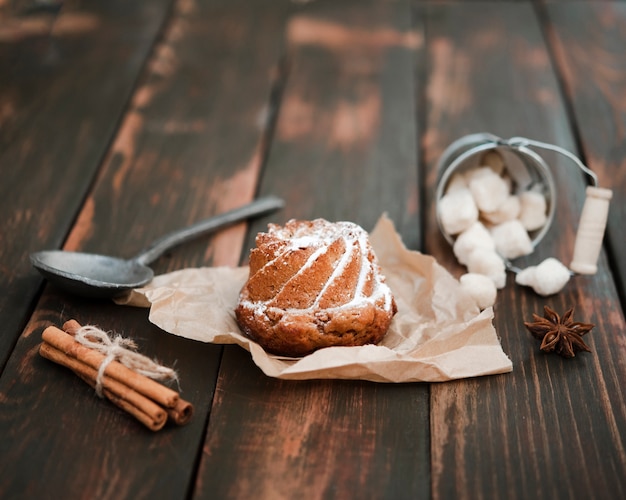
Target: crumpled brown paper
(438, 333)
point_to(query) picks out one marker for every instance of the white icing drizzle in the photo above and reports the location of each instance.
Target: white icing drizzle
(343, 262)
(322, 237)
(366, 267)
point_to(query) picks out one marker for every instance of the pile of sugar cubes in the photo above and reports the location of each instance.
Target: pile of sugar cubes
(491, 222)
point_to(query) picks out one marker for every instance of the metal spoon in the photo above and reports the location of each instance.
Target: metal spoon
(94, 275)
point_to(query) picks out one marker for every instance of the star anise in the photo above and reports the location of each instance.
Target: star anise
(560, 335)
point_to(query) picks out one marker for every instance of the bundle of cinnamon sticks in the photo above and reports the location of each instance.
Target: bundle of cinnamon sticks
(145, 399)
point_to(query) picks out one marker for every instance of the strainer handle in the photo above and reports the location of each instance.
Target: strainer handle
(594, 215)
(523, 141)
(591, 230)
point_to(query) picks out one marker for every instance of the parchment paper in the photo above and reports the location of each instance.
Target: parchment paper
(438, 334)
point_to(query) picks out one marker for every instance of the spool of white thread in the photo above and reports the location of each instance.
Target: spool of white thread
(591, 230)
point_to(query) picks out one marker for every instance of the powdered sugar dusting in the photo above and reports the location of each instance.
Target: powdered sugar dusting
(303, 242)
(320, 234)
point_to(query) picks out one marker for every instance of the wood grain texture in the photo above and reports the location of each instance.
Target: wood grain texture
(553, 428)
(320, 439)
(59, 439)
(97, 155)
(191, 142)
(188, 146)
(344, 149)
(63, 89)
(345, 139)
(588, 41)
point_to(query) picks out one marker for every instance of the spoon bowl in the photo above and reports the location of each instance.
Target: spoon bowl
(91, 275)
(101, 276)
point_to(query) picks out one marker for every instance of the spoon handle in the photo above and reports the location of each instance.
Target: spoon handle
(257, 207)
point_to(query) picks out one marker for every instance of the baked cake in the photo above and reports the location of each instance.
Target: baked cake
(314, 284)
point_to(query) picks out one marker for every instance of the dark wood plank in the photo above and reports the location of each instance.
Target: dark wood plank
(554, 428)
(344, 149)
(189, 146)
(277, 439)
(588, 42)
(65, 83)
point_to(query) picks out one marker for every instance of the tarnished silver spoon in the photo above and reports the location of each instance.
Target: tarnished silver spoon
(93, 275)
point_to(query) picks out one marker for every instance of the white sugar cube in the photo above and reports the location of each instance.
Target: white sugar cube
(511, 239)
(481, 288)
(493, 160)
(475, 237)
(509, 210)
(488, 189)
(547, 278)
(533, 210)
(457, 211)
(477, 173)
(456, 183)
(488, 263)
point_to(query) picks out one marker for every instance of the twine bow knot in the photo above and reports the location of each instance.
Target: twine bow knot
(121, 349)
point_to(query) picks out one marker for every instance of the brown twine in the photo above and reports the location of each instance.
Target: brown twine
(123, 350)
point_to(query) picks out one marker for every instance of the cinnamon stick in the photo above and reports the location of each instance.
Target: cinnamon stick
(71, 326)
(124, 387)
(148, 420)
(181, 414)
(183, 411)
(65, 342)
(143, 409)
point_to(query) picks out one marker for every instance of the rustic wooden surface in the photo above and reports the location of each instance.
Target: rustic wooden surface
(589, 39)
(121, 121)
(346, 120)
(53, 132)
(543, 407)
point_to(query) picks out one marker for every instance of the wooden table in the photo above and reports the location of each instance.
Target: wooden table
(121, 121)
